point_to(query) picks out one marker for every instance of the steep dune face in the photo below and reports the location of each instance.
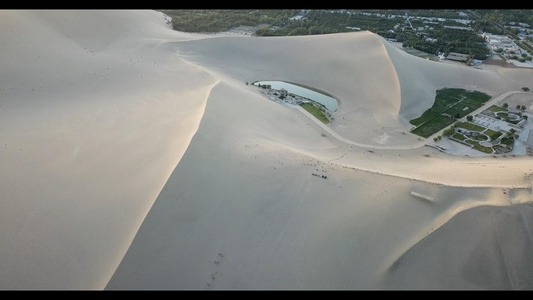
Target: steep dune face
(352, 67)
(244, 210)
(486, 248)
(379, 87)
(94, 116)
(261, 200)
(103, 112)
(420, 78)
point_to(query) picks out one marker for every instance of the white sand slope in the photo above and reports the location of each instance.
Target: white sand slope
(136, 157)
(94, 116)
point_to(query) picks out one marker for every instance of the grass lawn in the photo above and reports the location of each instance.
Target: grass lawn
(481, 137)
(459, 136)
(478, 147)
(505, 116)
(508, 141)
(483, 149)
(315, 111)
(470, 126)
(495, 108)
(425, 117)
(493, 134)
(429, 128)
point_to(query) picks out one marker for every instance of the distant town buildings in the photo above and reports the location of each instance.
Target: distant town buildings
(460, 57)
(457, 56)
(500, 41)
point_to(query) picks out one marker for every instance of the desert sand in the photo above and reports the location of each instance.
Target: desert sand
(135, 157)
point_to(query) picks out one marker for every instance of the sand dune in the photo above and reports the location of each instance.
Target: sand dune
(90, 133)
(137, 157)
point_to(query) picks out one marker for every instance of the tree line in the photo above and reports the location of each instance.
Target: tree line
(430, 31)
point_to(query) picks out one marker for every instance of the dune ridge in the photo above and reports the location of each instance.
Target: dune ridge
(137, 158)
(275, 224)
(91, 129)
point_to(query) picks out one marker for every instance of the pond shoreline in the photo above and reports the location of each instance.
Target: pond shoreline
(327, 102)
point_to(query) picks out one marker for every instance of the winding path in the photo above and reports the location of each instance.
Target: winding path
(414, 145)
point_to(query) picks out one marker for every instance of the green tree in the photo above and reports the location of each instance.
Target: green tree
(448, 132)
(299, 31)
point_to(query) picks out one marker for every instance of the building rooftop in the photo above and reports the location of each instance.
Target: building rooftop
(457, 56)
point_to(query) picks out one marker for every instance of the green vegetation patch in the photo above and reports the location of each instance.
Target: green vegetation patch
(479, 147)
(425, 117)
(449, 105)
(493, 134)
(470, 126)
(505, 116)
(444, 99)
(508, 141)
(460, 110)
(446, 35)
(459, 136)
(481, 137)
(316, 112)
(495, 108)
(483, 149)
(429, 128)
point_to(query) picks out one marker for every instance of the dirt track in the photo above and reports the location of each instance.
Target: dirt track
(499, 62)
